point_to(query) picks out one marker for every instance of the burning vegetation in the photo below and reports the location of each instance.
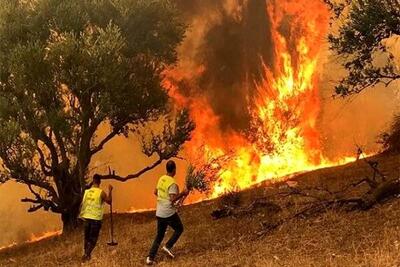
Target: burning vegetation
(280, 97)
(247, 72)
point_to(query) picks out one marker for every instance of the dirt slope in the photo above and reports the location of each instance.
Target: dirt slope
(332, 238)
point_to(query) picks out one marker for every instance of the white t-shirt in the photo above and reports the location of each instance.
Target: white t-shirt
(165, 208)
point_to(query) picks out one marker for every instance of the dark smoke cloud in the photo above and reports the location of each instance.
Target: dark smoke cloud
(232, 51)
(232, 38)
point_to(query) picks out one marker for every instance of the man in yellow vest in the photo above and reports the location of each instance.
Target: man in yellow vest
(92, 214)
(168, 195)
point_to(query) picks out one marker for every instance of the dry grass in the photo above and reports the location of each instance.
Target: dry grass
(333, 238)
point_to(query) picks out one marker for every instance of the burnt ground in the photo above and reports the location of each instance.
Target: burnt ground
(332, 237)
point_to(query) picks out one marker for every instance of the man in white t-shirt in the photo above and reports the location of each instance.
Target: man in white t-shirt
(167, 193)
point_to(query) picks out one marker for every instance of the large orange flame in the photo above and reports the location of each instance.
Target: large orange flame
(283, 138)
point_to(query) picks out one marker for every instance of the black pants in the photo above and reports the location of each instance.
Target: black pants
(162, 223)
(92, 231)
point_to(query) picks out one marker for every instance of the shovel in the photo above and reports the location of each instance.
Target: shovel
(112, 242)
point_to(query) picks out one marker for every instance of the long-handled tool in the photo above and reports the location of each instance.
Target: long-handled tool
(112, 242)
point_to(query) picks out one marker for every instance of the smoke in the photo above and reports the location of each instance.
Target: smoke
(356, 120)
(229, 40)
(226, 45)
(16, 225)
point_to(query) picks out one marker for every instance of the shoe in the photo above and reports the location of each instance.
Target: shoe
(168, 251)
(150, 261)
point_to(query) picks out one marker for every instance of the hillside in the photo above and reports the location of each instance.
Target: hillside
(331, 238)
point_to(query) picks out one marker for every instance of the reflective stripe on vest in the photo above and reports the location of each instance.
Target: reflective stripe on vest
(162, 187)
(92, 204)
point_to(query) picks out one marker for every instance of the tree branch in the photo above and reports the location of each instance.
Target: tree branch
(35, 208)
(61, 146)
(45, 168)
(110, 136)
(30, 200)
(44, 185)
(50, 145)
(27, 176)
(37, 195)
(40, 201)
(38, 206)
(113, 176)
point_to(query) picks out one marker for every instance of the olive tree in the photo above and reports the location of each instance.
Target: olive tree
(70, 67)
(364, 28)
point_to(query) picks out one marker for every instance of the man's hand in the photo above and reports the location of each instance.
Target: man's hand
(109, 196)
(181, 197)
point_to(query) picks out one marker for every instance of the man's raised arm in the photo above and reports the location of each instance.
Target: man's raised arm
(107, 197)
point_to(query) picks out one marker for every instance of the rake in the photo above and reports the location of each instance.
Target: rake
(112, 242)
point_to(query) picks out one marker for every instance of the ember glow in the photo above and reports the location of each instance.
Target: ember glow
(38, 237)
(34, 238)
(282, 138)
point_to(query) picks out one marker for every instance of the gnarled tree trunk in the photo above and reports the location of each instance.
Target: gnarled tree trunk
(70, 198)
(70, 219)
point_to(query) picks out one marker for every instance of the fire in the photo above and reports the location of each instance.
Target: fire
(283, 138)
(8, 246)
(38, 237)
(34, 238)
(135, 210)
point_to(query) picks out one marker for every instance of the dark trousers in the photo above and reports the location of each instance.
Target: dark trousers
(92, 231)
(162, 223)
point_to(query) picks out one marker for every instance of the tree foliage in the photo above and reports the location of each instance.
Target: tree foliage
(390, 140)
(365, 26)
(69, 67)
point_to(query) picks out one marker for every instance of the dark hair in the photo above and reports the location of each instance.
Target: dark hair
(171, 166)
(96, 179)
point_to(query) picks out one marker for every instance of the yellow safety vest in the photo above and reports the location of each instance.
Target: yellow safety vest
(163, 185)
(92, 204)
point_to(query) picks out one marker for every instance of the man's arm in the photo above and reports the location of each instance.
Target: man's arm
(175, 197)
(107, 197)
(80, 208)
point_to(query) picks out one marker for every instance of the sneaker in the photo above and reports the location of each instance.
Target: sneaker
(149, 261)
(168, 251)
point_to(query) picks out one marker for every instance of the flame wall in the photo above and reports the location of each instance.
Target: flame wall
(251, 84)
(249, 71)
